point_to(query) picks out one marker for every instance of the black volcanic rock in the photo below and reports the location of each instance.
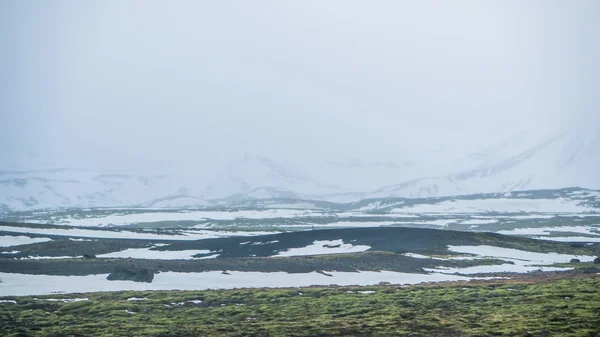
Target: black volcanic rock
(122, 273)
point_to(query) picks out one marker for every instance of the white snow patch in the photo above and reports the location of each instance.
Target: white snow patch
(124, 234)
(137, 299)
(26, 284)
(518, 255)
(36, 257)
(8, 301)
(440, 222)
(502, 268)
(64, 300)
(379, 204)
(547, 230)
(419, 256)
(379, 215)
(149, 217)
(263, 243)
(9, 240)
(479, 221)
(532, 216)
(568, 238)
(319, 247)
(523, 261)
(343, 224)
(503, 205)
(298, 205)
(146, 253)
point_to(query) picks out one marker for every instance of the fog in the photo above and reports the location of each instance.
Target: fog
(121, 84)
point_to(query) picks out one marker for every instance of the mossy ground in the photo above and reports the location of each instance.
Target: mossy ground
(565, 304)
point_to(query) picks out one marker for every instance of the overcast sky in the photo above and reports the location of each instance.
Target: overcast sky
(113, 82)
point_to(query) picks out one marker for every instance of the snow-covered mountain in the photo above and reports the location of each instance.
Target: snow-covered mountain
(248, 177)
(523, 162)
(566, 160)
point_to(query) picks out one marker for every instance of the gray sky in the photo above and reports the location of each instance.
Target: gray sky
(115, 83)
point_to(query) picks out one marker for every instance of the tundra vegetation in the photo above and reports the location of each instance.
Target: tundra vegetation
(536, 304)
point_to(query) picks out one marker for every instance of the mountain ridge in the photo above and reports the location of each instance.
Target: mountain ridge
(564, 160)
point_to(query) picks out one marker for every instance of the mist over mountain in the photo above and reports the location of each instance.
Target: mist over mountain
(151, 104)
(567, 160)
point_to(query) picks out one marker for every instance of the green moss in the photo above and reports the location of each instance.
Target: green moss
(567, 307)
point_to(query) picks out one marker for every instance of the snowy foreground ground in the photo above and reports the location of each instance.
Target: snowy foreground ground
(21, 284)
(517, 261)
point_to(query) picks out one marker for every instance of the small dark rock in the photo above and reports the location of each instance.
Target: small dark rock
(332, 246)
(225, 272)
(324, 273)
(575, 260)
(89, 256)
(122, 273)
(590, 270)
(597, 260)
